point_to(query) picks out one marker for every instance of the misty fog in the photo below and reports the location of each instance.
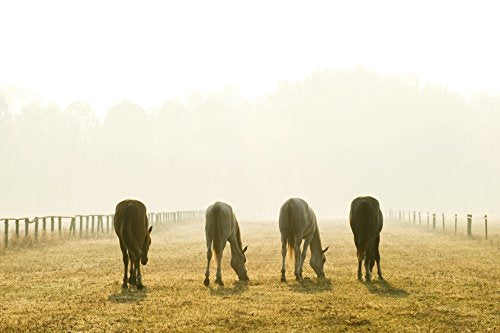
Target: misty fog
(326, 138)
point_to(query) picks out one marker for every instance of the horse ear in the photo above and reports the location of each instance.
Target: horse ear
(246, 247)
(325, 249)
(150, 229)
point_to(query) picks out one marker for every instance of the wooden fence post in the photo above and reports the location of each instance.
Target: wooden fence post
(36, 228)
(442, 216)
(486, 226)
(72, 226)
(93, 220)
(26, 227)
(107, 224)
(427, 219)
(52, 224)
(433, 220)
(44, 224)
(419, 218)
(6, 234)
(81, 226)
(17, 229)
(87, 224)
(59, 225)
(469, 225)
(455, 223)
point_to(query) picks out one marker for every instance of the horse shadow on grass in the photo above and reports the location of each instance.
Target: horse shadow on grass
(310, 286)
(129, 296)
(385, 289)
(237, 288)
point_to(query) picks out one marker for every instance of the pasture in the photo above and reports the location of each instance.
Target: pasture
(434, 282)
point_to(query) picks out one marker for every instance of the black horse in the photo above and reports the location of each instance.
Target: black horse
(366, 223)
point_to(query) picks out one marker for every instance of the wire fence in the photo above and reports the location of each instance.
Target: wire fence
(79, 226)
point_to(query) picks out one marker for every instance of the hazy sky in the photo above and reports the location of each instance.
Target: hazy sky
(149, 52)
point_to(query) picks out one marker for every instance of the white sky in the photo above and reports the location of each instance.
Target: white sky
(149, 52)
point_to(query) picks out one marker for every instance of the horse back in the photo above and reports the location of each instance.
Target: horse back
(297, 217)
(365, 216)
(131, 223)
(220, 223)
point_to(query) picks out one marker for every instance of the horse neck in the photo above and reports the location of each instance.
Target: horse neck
(236, 250)
(316, 243)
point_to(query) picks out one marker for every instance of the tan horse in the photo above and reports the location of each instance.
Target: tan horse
(297, 222)
(366, 222)
(221, 226)
(131, 226)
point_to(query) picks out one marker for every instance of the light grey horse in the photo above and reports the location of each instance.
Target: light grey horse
(221, 227)
(297, 222)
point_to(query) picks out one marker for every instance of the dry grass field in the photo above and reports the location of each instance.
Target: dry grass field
(434, 282)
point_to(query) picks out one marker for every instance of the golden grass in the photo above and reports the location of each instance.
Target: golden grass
(434, 283)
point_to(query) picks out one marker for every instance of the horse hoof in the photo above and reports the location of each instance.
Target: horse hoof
(220, 283)
(131, 281)
(140, 287)
(206, 282)
(368, 279)
(283, 279)
(124, 286)
(380, 277)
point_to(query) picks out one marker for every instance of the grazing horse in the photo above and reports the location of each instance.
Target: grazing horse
(297, 222)
(221, 226)
(366, 223)
(131, 226)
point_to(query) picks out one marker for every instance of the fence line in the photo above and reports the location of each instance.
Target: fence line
(83, 225)
(400, 215)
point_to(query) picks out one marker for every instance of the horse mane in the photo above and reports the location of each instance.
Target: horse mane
(238, 234)
(316, 242)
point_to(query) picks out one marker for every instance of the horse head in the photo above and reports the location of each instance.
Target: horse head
(238, 261)
(145, 246)
(317, 262)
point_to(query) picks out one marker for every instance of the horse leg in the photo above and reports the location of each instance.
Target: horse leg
(218, 275)
(372, 258)
(283, 254)
(132, 276)
(368, 259)
(307, 241)
(360, 257)
(125, 264)
(206, 282)
(298, 258)
(377, 258)
(140, 286)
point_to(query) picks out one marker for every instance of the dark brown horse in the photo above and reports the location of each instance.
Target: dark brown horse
(366, 224)
(131, 226)
(221, 227)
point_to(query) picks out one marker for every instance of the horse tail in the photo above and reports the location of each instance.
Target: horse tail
(366, 224)
(290, 227)
(214, 216)
(126, 230)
